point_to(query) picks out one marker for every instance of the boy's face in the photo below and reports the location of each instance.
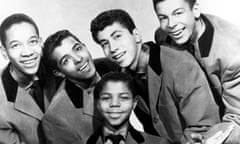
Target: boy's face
(73, 59)
(116, 103)
(23, 48)
(119, 44)
(177, 19)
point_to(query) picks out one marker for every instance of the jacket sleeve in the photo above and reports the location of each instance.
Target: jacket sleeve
(8, 135)
(195, 100)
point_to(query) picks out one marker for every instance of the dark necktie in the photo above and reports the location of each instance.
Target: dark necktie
(37, 94)
(115, 139)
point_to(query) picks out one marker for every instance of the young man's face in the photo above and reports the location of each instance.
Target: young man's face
(73, 59)
(23, 48)
(177, 19)
(118, 44)
(116, 103)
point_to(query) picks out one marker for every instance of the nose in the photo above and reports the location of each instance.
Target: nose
(113, 46)
(171, 22)
(115, 102)
(27, 51)
(76, 58)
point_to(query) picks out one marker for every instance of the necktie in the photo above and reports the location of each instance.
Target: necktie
(115, 139)
(37, 94)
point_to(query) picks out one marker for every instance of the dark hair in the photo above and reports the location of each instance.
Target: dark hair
(190, 2)
(15, 19)
(50, 44)
(109, 17)
(115, 77)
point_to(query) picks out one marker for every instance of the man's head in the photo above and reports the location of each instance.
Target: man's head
(66, 56)
(177, 18)
(116, 32)
(116, 97)
(22, 45)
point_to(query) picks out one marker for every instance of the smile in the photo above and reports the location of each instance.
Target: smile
(177, 33)
(118, 56)
(83, 67)
(29, 62)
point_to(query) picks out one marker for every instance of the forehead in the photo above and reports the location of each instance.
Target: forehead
(64, 48)
(170, 5)
(20, 31)
(115, 87)
(111, 29)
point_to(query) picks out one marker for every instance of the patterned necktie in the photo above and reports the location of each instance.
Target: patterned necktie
(115, 139)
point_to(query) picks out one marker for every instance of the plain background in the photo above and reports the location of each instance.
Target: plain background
(76, 15)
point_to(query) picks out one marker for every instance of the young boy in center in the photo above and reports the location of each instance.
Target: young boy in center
(116, 97)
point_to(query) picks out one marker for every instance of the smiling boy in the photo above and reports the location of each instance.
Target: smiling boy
(116, 97)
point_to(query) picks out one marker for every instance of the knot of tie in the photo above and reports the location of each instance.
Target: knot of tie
(115, 139)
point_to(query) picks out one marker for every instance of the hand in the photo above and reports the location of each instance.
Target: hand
(220, 136)
(217, 138)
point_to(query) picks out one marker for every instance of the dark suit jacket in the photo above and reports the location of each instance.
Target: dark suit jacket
(133, 137)
(180, 98)
(20, 116)
(64, 123)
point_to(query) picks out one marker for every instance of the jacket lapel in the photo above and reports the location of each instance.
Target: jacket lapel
(154, 85)
(25, 103)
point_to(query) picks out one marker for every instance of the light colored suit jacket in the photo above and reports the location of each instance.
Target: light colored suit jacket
(63, 123)
(180, 98)
(20, 119)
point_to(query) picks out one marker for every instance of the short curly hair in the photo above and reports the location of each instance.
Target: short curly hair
(109, 17)
(115, 77)
(50, 45)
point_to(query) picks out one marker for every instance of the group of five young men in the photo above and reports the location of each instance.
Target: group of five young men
(58, 94)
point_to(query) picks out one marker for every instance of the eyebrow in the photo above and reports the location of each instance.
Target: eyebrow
(116, 31)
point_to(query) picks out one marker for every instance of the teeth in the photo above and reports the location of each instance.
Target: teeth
(84, 66)
(119, 55)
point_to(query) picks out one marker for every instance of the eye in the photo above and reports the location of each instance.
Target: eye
(105, 97)
(162, 18)
(64, 61)
(15, 45)
(117, 36)
(104, 44)
(179, 12)
(125, 97)
(33, 42)
(78, 48)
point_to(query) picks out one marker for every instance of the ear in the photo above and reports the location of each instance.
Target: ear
(4, 52)
(196, 10)
(137, 35)
(135, 101)
(58, 74)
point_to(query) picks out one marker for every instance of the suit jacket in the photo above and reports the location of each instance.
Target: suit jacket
(20, 116)
(133, 137)
(180, 98)
(221, 60)
(64, 123)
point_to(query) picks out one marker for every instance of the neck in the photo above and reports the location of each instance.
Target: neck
(85, 83)
(198, 30)
(21, 78)
(133, 66)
